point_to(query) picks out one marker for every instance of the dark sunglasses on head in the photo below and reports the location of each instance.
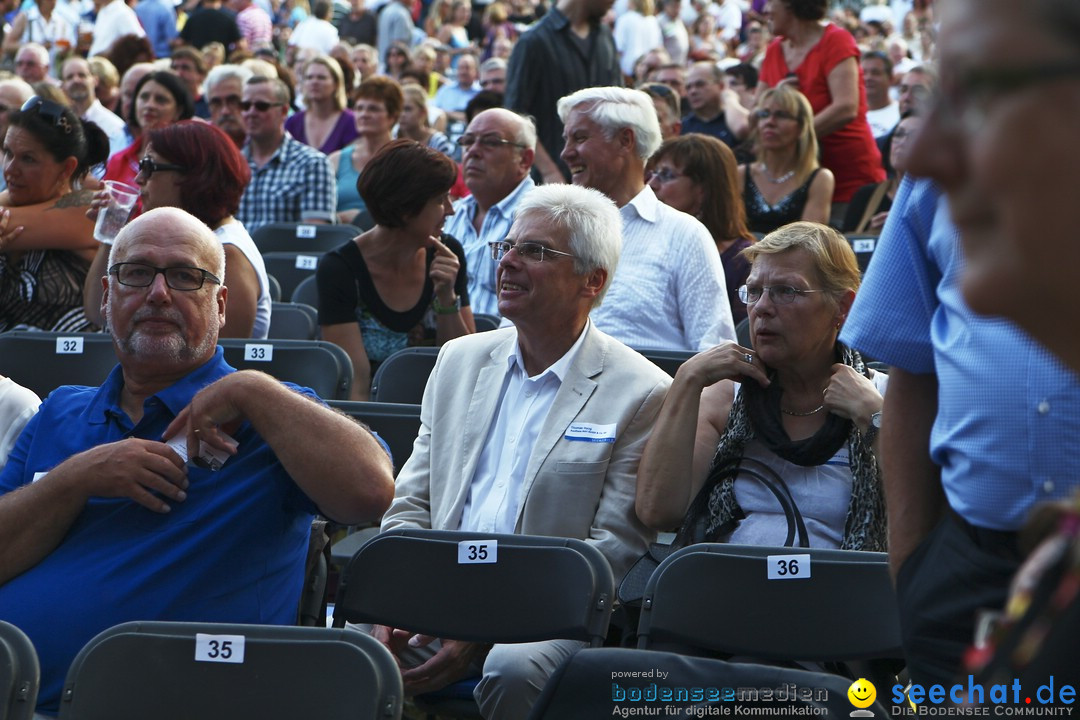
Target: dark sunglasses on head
(53, 112)
(260, 105)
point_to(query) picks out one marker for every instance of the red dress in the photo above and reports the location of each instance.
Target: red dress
(849, 152)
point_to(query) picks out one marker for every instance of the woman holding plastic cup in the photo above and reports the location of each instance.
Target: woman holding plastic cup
(194, 166)
(46, 240)
(161, 99)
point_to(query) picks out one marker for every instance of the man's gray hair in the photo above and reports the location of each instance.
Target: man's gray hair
(591, 221)
(492, 64)
(614, 108)
(37, 49)
(227, 72)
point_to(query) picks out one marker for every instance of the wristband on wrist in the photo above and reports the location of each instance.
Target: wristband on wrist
(440, 309)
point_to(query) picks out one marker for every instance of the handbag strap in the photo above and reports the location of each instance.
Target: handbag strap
(778, 487)
(871, 207)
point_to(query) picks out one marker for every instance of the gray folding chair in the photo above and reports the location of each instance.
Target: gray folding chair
(181, 671)
(402, 377)
(43, 361)
(537, 588)
(20, 674)
(774, 604)
(293, 321)
(302, 237)
(322, 366)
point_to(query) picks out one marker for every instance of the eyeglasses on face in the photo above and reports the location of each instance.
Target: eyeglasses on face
(778, 294)
(260, 105)
(232, 101)
(664, 175)
(148, 166)
(531, 251)
(489, 142)
(140, 275)
(764, 114)
(53, 112)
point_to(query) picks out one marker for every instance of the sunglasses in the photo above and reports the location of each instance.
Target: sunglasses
(53, 112)
(260, 105)
(147, 167)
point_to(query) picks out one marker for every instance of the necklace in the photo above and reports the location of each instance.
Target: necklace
(815, 411)
(777, 180)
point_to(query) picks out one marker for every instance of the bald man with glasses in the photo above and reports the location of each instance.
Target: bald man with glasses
(181, 489)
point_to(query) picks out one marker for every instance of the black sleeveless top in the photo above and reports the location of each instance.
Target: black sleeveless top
(761, 217)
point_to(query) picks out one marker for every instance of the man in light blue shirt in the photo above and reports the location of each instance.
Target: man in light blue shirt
(499, 149)
(452, 98)
(980, 423)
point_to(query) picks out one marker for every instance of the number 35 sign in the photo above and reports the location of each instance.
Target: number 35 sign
(219, 648)
(470, 552)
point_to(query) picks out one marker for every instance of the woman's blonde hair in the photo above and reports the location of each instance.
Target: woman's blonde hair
(833, 258)
(334, 68)
(418, 96)
(790, 100)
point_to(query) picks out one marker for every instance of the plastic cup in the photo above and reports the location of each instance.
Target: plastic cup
(113, 216)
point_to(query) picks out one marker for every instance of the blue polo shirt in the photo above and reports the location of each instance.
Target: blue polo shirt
(232, 552)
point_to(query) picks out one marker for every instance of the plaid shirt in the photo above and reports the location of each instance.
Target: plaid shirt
(296, 184)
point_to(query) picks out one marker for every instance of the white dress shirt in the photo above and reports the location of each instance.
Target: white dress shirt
(114, 21)
(669, 290)
(495, 493)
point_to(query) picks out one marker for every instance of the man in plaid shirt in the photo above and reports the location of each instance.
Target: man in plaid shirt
(290, 181)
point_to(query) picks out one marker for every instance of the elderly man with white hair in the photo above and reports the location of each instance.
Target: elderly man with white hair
(506, 414)
(669, 292)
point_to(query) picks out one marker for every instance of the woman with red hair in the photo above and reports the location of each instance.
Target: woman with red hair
(194, 166)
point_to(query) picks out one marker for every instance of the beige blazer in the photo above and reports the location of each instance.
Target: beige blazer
(574, 489)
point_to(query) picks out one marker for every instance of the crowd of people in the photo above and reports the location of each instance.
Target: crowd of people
(600, 178)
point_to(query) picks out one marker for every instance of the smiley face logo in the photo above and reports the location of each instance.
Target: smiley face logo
(862, 693)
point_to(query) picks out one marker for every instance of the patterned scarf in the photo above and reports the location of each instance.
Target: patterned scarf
(756, 408)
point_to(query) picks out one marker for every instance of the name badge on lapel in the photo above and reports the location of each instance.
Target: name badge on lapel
(591, 432)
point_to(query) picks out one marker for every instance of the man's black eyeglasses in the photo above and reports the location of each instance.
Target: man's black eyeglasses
(260, 105)
(53, 112)
(140, 275)
(487, 141)
(148, 166)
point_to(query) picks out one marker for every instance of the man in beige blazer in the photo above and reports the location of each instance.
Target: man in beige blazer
(535, 429)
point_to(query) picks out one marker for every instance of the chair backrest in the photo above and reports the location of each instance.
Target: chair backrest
(864, 246)
(773, 603)
(290, 268)
(180, 671)
(302, 237)
(307, 292)
(43, 361)
(322, 366)
(499, 588)
(293, 321)
(275, 288)
(20, 674)
(667, 360)
(396, 423)
(402, 377)
(485, 322)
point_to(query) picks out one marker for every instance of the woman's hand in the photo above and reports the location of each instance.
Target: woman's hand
(726, 361)
(100, 200)
(7, 234)
(852, 396)
(444, 272)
